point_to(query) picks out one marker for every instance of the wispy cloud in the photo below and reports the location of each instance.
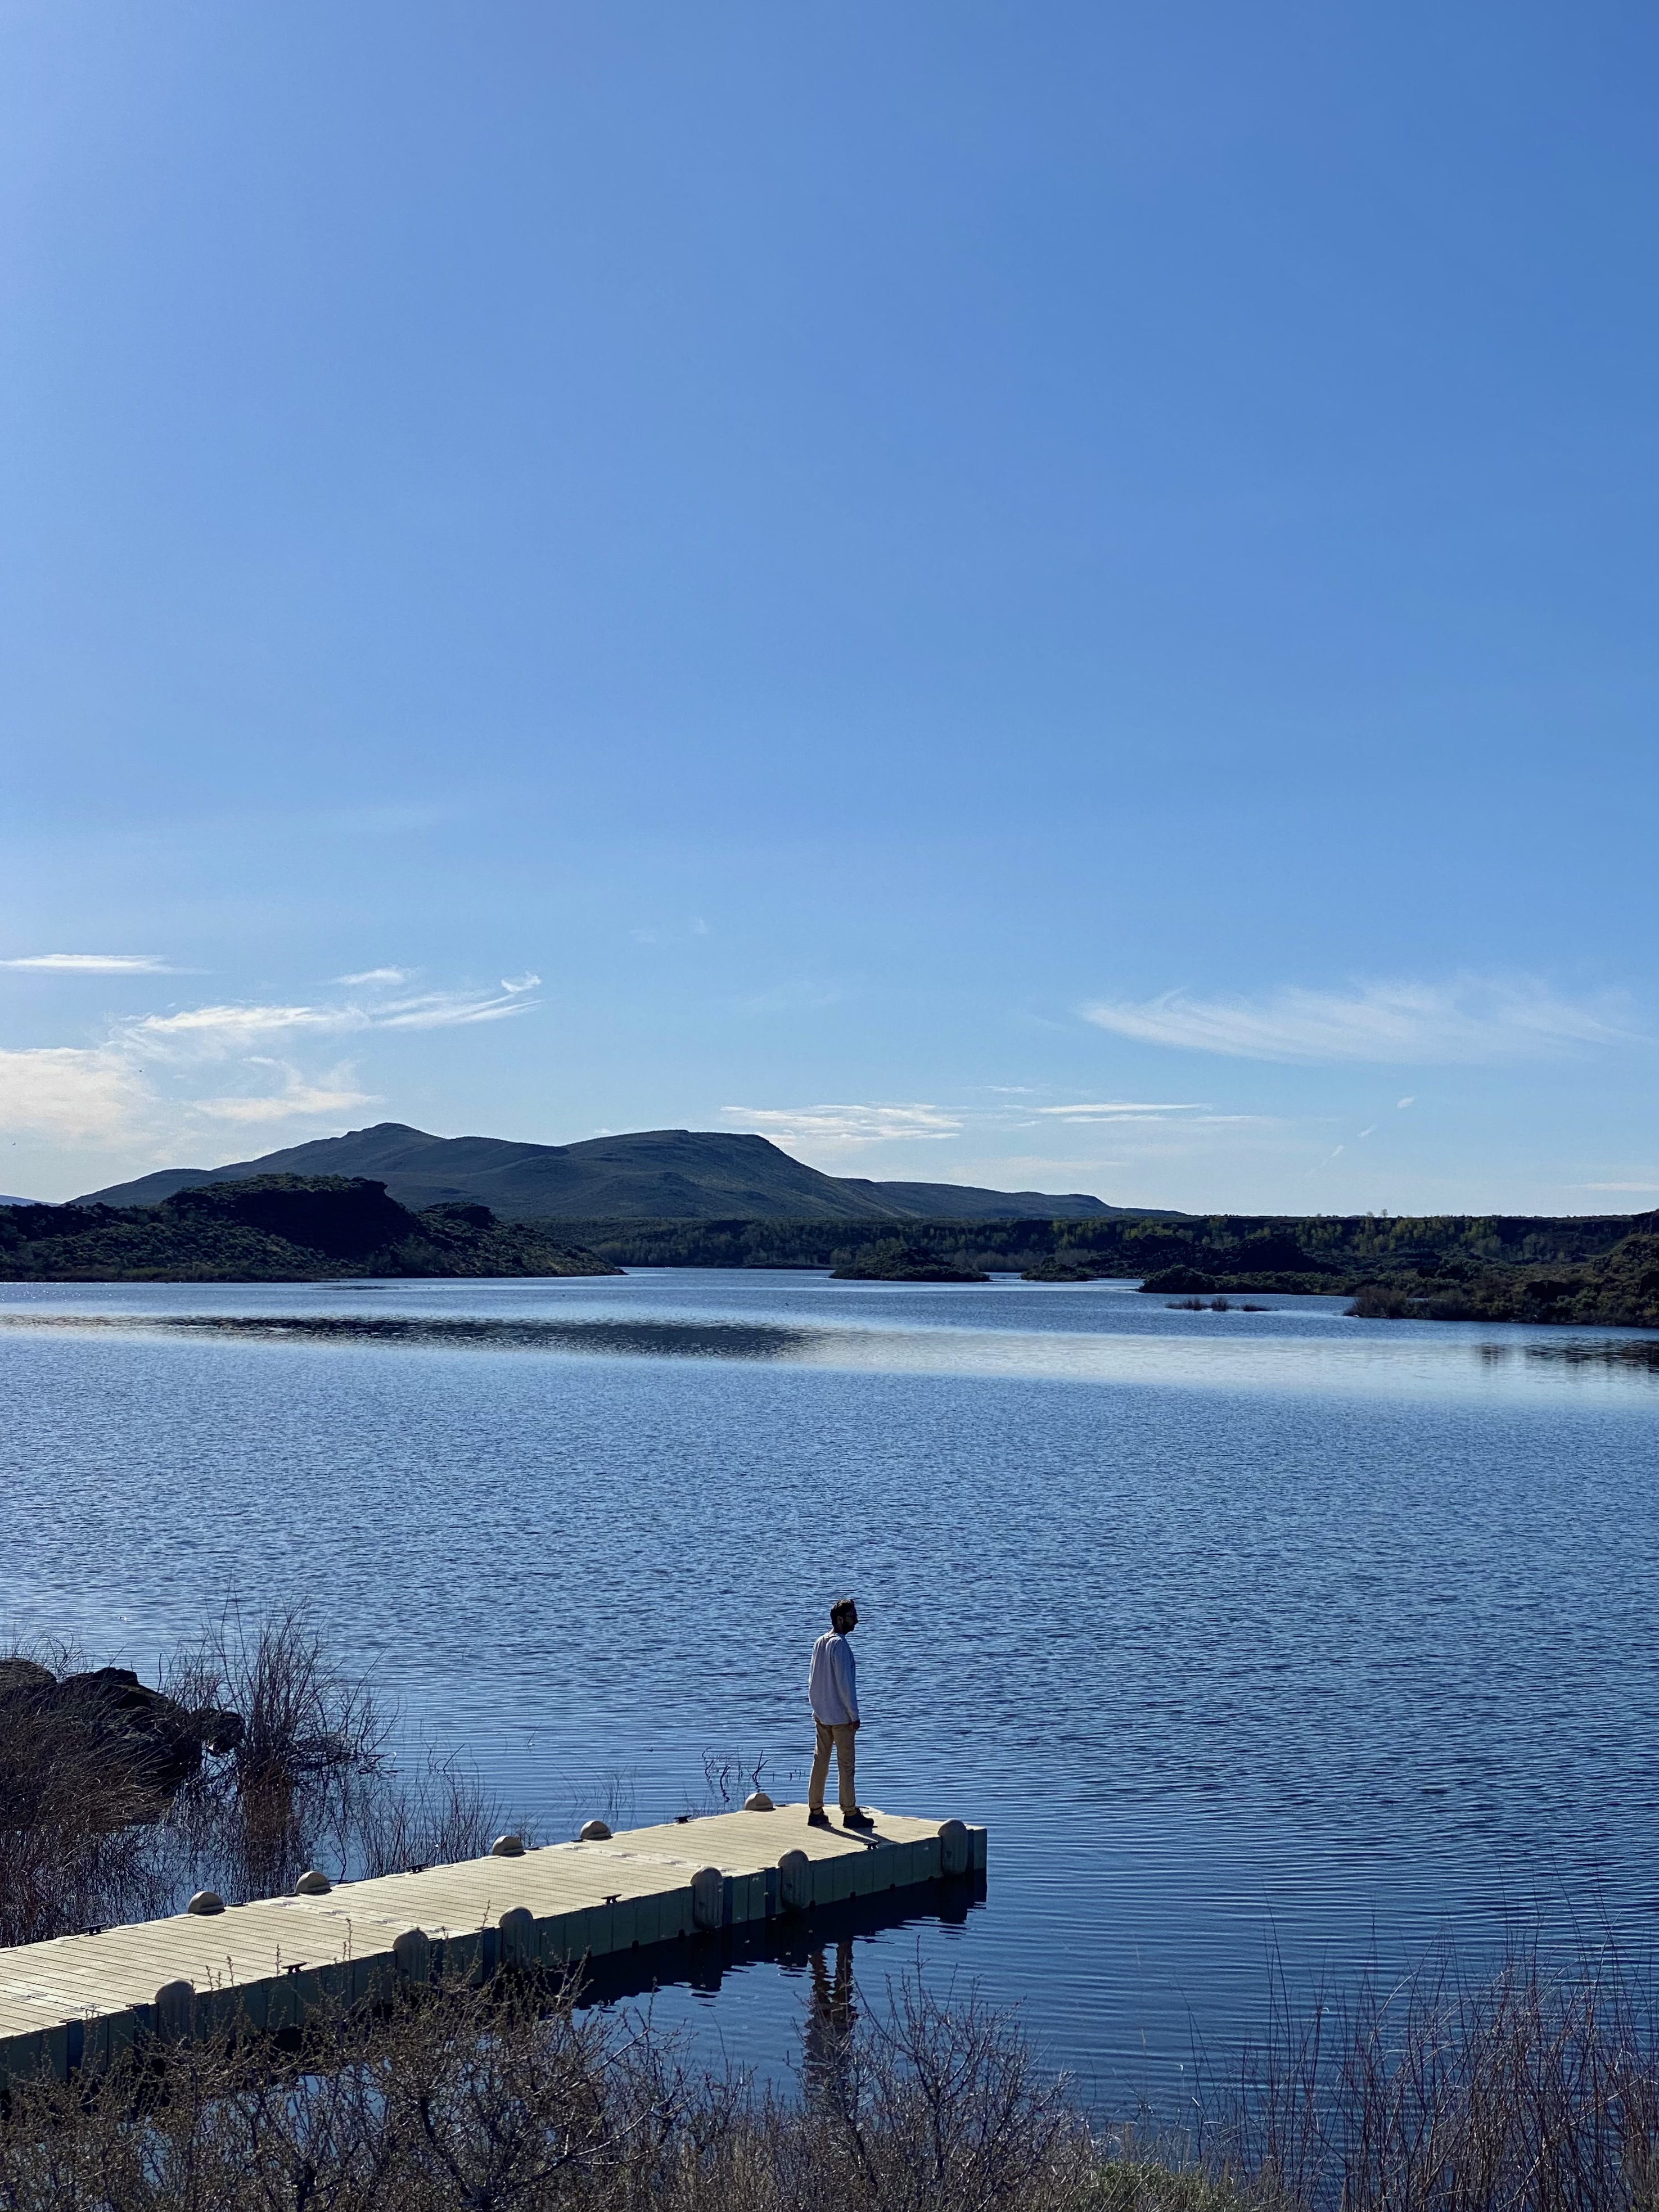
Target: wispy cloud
(1471, 1020)
(376, 975)
(63, 1094)
(1126, 1114)
(211, 1032)
(1113, 1109)
(297, 1098)
(217, 1032)
(447, 1010)
(845, 1125)
(138, 1089)
(94, 963)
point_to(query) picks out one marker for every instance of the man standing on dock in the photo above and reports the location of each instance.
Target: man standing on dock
(832, 1691)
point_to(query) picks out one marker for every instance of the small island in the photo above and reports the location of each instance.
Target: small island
(892, 1262)
(1063, 1268)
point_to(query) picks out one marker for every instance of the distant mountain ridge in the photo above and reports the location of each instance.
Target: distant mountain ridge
(661, 1175)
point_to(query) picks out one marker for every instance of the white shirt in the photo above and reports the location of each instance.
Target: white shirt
(832, 1680)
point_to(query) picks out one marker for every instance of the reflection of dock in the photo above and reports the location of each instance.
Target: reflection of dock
(789, 1939)
(714, 1891)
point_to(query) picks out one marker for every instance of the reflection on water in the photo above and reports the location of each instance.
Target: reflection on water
(1112, 1353)
(644, 1339)
(1238, 1630)
(1638, 1353)
(698, 1967)
(827, 2039)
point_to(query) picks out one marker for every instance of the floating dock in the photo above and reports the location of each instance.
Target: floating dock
(78, 2001)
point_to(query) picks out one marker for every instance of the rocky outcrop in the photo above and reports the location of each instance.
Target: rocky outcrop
(275, 1229)
(73, 1742)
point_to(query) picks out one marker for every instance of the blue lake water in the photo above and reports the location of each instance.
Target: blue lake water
(1241, 1631)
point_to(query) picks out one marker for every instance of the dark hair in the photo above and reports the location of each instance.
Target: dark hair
(841, 1606)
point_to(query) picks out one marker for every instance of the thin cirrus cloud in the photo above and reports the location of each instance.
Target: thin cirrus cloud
(844, 1125)
(212, 1032)
(1122, 1109)
(1469, 1021)
(375, 975)
(296, 1099)
(94, 963)
(132, 1090)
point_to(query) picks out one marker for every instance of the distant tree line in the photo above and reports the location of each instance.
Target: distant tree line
(1602, 1268)
(1340, 1246)
(1597, 1268)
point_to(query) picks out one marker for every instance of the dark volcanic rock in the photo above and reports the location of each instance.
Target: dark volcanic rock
(342, 1220)
(275, 1229)
(101, 1736)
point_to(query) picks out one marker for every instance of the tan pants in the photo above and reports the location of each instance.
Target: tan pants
(842, 1739)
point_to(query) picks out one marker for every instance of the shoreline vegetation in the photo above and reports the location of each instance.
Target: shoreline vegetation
(1598, 1268)
(255, 1757)
(1601, 1270)
(1534, 2090)
(1530, 2085)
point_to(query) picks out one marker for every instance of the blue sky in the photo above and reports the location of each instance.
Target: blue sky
(1060, 596)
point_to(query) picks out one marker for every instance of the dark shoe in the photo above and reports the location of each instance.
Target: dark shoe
(818, 1819)
(856, 1821)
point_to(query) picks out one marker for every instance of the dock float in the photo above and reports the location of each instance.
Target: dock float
(77, 2002)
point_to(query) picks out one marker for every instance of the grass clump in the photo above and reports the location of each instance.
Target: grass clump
(1536, 2089)
(508, 2099)
(305, 1778)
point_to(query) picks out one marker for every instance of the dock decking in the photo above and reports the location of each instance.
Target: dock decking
(77, 2001)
